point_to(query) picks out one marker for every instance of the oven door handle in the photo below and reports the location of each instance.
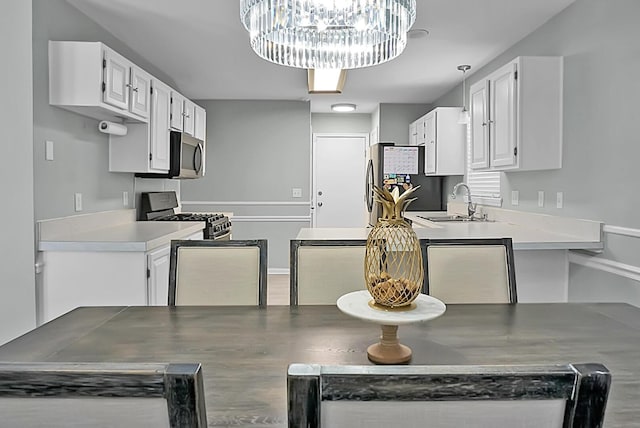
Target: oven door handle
(225, 237)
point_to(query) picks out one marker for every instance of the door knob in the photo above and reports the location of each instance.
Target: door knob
(319, 204)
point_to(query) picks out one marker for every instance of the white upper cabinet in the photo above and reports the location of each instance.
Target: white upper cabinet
(189, 122)
(430, 143)
(140, 92)
(417, 132)
(479, 105)
(145, 148)
(200, 123)
(177, 111)
(117, 79)
(188, 117)
(160, 110)
(516, 115)
(444, 142)
(91, 79)
(413, 134)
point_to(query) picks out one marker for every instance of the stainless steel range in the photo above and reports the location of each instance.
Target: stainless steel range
(161, 206)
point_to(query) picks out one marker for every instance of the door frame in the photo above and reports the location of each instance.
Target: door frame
(314, 136)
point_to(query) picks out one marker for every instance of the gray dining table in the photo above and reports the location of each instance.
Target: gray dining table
(245, 351)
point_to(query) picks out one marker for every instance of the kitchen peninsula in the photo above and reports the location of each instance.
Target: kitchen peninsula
(540, 242)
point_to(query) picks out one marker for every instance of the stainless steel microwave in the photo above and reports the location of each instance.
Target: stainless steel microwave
(186, 158)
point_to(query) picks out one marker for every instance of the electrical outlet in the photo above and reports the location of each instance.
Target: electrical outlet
(78, 201)
(125, 199)
(515, 197)
(541, 198)
(296, 192)
(48, 150)
(559, 200)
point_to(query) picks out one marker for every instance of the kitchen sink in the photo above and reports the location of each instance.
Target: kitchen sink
(456, 218)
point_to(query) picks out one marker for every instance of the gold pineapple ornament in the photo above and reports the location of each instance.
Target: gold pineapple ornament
(393, 268)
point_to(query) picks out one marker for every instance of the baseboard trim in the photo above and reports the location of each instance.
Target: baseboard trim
(249, 203)
(619, 230)
(278, 271)
(606, 265)
(271, 218)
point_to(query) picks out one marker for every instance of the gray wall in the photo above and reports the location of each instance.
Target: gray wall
(394, 121)
(81, 154)
(599, 43)
(336, 122)
(17, 285)
(257, 151)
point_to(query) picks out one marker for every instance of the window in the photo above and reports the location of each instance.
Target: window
(484, 185)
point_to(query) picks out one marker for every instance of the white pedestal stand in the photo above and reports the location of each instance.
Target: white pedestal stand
(389, 350)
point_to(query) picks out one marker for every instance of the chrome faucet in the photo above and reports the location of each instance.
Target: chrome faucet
(471, 207)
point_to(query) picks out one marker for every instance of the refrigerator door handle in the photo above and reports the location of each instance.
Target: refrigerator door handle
(368, 197)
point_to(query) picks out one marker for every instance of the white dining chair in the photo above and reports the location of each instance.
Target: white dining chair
(471, 270)
(218, 273)
(551, 396)
(323, 270)
(118, 395)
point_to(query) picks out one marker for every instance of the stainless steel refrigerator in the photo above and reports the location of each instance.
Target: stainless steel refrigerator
(401, 166)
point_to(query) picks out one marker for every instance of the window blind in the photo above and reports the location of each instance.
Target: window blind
(484, 185)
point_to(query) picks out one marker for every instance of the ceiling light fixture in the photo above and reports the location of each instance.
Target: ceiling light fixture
(464, 118)
(343, 107)
(328, 34)
(326, 81)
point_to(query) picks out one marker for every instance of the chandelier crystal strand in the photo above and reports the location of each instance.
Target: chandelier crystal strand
(340, 34)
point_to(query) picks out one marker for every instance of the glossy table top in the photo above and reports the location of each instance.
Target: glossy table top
(245, 351)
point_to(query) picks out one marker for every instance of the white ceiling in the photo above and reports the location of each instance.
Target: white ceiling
(204, 48)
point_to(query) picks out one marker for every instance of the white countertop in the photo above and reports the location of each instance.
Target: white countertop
(131, 236)
(524, 237)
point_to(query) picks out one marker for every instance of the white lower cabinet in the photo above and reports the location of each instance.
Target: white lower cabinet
(158, 276)
(91, 278)
(103, 278)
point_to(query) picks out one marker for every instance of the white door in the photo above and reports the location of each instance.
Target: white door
(339, 166)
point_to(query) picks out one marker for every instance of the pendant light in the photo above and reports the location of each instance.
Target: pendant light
(464, 118)
(328, 34)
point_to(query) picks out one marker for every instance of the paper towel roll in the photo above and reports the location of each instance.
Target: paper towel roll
(112, 128)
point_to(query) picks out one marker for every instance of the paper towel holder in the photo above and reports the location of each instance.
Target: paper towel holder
(112, 128)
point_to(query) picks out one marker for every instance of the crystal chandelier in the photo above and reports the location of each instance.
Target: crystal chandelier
(320, 34)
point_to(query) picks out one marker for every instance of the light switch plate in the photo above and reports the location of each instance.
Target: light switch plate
(125, 199)
(296, 192)
(515, 197)
(48, 150)
(78, 201)
(541, 198)
(559, 200)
